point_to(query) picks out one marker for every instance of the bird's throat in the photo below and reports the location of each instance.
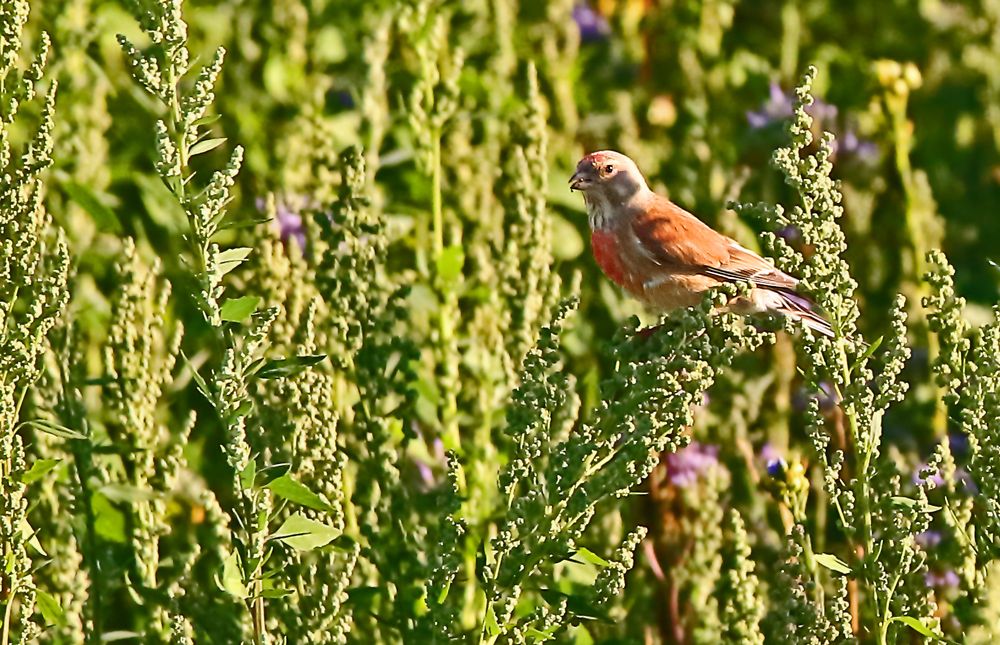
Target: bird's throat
(598, 212)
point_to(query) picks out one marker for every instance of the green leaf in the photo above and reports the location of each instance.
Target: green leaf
(243, 223)
(274, 593)
(207, 120)
(284, 367)
(232, 577)
(297, 492)
(54, 429)
(492, 627)
(52, 613)
(226, 261)
(38, 470)
(196, 377)
(917, 626)
(269, 473)
(589, 556)
(909, 502)
(102, 215)
(832, 562)
(236, 309)
(32, 536)
(304, 534)
(109, 522)
(449, 263)
(868, 353)
(205, 146)
(248, 474)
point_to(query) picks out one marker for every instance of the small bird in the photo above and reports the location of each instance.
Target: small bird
(666, 257)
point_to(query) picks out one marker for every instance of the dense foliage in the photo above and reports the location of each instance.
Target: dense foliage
(300, 340)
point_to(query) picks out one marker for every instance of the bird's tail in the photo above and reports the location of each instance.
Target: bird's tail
(800, 308)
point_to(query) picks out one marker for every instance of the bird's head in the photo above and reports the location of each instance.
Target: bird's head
(607, 176)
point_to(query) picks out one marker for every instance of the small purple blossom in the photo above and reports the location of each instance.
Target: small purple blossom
(790, 233)
(849, 144)
(942, 579)
(592, 25)
(288, 221)
(936, 480)
(776, 467)
(925, 476)
(685, 465)
(780, 106)
(769, 453)
(928, 539)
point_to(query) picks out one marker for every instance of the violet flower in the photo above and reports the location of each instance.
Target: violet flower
(287, 221)
(942, 579)
(928, 539)
(687, 464)
(780, 106)
(592, 25)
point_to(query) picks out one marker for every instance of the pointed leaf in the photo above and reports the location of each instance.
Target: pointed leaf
(587, 555)
(284, 367)
(832, 562)
(917, 626)
(226, 261)
(205, 146)
(232, 577)
(236, 309)
(304, 534)
(38, 470)
(52, 613)
(288, 488)
(109, 522)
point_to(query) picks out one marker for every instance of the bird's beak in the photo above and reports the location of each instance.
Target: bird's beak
(578, 182)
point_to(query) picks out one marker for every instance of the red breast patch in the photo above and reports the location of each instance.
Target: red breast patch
(605, 247)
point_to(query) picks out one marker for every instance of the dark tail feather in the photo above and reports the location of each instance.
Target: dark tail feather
(804, 311)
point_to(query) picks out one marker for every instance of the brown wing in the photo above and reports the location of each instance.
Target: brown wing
(676, 239)
(680, 242)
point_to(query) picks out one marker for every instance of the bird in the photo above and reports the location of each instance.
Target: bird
(667, 258)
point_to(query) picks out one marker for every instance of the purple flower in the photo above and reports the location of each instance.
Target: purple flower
(928, 539)
(789, 233)
(776, 467)
(685, 465)
(924, 476)
(780, 106)
(592, 25)
(942, 579)
(849, 144)
(936, 480)
(287, 221)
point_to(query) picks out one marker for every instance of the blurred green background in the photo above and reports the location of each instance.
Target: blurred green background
(698, 92)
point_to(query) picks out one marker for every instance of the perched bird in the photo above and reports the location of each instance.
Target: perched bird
(666, 257)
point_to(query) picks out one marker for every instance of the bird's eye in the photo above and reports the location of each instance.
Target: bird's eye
(608, 169)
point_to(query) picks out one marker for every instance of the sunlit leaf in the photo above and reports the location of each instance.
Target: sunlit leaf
(49, 607)
(832, 562)
(294, 491)
(304, 534)
(205, 146)
(38, 470)
(237, 309)
(285, 367)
